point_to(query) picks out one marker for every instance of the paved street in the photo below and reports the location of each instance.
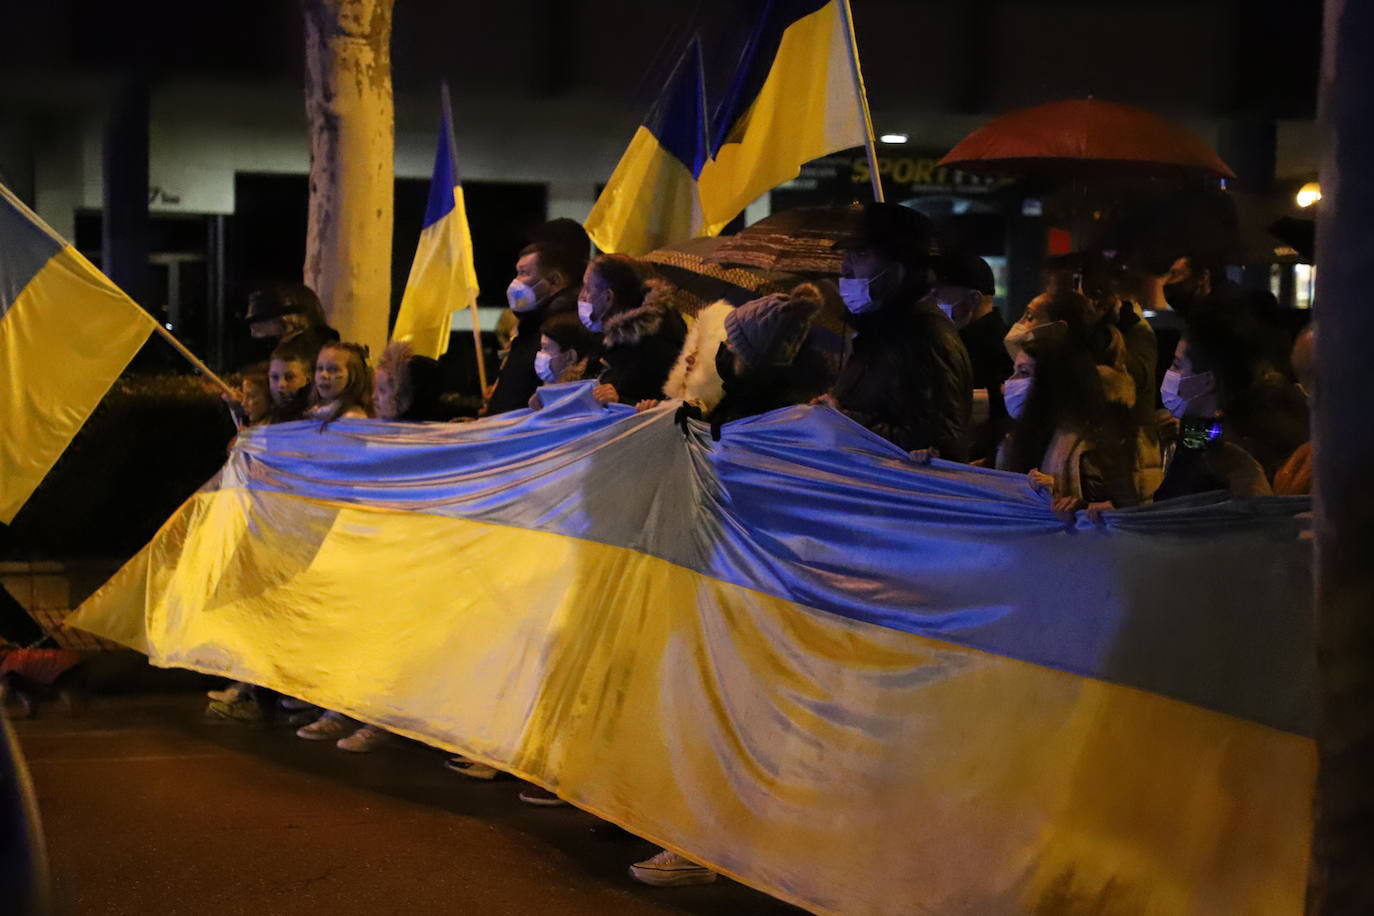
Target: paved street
(149, 809)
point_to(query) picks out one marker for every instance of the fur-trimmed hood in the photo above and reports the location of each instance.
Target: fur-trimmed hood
(630, 328)
(701, 382)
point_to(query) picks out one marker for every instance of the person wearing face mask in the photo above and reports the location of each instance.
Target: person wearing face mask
(545, 284)
(1238, 418)
(908, 377)
(1065, 434)
(964, 289)
(564, 347)
(641, 334)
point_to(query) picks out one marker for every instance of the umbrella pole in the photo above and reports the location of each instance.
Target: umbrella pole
(869, 148)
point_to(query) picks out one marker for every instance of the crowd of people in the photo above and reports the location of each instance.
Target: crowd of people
(1099, 408)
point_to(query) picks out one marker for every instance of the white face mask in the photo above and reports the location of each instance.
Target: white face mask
(543, 366)
(855, 293)
(947, 308)
(1015, 340)
(586, 312)
(1189, 395)
(520, 296)
(1015, 391)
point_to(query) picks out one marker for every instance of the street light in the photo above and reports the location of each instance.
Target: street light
(894, 138)
(1309, 194)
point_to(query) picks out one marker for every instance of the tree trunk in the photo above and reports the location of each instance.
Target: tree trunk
(1342, 876)
(352, 150)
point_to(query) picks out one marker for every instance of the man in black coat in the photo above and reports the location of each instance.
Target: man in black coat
(908, 377)
(548, 278)
(964, 290)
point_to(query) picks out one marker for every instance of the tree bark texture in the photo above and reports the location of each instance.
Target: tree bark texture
(1342, 875)
(352, 154)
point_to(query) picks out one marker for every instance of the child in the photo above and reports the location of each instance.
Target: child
(343, 384)
(288, 381)
(407, 387)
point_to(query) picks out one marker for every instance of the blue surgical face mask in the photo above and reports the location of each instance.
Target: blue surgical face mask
(586, 311)
(1189, 395)
(1015, 392)
(543, 366)
(855, 293)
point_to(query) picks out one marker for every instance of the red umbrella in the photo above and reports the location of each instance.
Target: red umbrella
(1082, 137)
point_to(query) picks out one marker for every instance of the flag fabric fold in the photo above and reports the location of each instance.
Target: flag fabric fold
(651, 198)
(66, 333)
(858, 685)
(443, 277)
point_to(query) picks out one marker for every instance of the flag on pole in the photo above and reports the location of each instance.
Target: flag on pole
(66, 333)
(442, 276)
(797, 95)
(651, 199)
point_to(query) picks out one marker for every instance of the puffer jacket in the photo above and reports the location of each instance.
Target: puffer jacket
(639, 349)
(909, 379)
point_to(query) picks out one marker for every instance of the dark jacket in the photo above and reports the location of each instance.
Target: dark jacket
(983, 338)
(639, 349)
(516, 383)
(909, 379)
(771, 388)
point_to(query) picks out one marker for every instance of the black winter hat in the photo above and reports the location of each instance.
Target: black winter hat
(895, 231)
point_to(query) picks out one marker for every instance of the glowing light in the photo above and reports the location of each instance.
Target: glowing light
(894, 138)
(1309, 194)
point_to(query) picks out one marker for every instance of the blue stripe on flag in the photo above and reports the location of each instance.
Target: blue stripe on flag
(25, 247)
(755, 63)
(678, 118)
(445, 176)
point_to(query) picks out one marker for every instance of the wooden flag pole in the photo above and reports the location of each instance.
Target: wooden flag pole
(869, 146)
(477, 345)
(192, 358)
(476, 318)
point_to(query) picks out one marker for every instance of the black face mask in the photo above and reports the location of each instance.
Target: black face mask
(1182, 295)
(725, 363)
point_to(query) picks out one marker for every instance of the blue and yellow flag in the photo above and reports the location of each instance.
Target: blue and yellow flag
(651, 199)
(66, 333)
(865, 687)
(796, 96)
(442, 276)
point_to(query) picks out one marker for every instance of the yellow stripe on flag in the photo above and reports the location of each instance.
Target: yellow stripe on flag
(650, 201)
(442, 280)
(64, 341)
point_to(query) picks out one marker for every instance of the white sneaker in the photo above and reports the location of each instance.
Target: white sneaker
(668, 869)
(328, 727)
(228, 694)
(472, 769)
(363, 740)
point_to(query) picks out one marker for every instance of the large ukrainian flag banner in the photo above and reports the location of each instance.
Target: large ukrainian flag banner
(795, 97)
(66, 333)
(861, 686)
(651, 199)
(443, 277)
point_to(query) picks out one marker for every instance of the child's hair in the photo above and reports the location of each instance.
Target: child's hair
(358, 391)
